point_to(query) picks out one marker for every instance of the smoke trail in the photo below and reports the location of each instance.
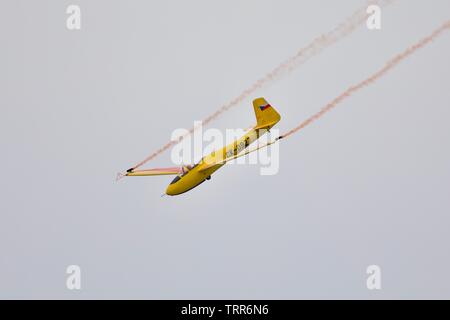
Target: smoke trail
(377, 75)
(303, 55)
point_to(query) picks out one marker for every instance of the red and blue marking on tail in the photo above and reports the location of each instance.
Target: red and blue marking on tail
(262, 108)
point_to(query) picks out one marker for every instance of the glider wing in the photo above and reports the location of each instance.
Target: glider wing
(207, 166)
(154, 172)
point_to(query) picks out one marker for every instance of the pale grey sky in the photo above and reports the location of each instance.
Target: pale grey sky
(367, 184)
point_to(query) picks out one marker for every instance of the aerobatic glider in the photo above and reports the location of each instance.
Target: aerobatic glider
(189, 177)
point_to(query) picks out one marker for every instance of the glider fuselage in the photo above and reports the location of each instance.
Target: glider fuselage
(203, 169)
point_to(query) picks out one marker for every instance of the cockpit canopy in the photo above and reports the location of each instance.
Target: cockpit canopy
(184, 170)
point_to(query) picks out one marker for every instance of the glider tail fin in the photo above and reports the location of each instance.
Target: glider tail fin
(266, 115)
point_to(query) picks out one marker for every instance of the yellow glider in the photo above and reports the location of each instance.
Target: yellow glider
(188, 177)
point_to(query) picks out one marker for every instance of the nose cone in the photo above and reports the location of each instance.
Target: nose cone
(182, 184)
(174, 187)
(172, 190)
